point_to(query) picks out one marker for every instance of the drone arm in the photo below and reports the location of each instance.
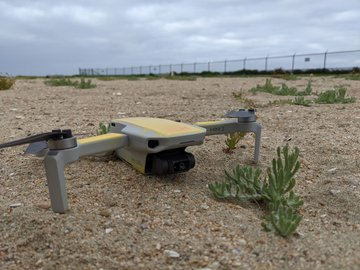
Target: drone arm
(231, 126)
(219, 127)
(101, 143)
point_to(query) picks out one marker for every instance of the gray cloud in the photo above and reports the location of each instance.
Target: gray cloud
(56, 37)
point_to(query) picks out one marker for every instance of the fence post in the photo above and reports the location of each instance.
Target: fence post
(159, 69)
(244, 64)
(181, 68)
(225, 65)
(266, 62)
(208, 66)
(170, 68)
(293, 62)
(325, 55)
(194, 67)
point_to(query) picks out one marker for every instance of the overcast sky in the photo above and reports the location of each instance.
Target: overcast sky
(41, 37)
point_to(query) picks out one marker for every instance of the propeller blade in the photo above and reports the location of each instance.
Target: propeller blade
(55, 134)
(38, 149)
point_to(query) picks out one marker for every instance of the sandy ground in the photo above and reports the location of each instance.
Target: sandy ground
(120, 219)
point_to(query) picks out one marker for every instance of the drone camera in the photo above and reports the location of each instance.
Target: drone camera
(169, 162)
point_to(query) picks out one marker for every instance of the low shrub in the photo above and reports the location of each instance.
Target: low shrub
(84, 84)
(232, 140)
(6, 82)
(336, 95)
(300, 100)
(59, 82)
(275, 191)
(103, 129)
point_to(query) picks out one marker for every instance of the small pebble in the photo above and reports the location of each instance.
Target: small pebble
(204, 206)
(332, 170)
(334, 191)
(242, 242)
(144, 226)
(172, 253)
(15, 205)
(44, 205)
(108, 230)
(105, 213)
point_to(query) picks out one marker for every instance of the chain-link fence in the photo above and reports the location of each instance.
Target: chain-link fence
(339, 60)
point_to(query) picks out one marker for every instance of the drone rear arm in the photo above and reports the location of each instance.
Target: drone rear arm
(231, 126)
(102, 143)
(55, 161)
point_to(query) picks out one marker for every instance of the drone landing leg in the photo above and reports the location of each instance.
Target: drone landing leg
(256, 129)
(54, 167)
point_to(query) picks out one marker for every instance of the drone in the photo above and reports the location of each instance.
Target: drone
(150, 145)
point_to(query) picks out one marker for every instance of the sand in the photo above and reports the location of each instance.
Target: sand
(120, 219)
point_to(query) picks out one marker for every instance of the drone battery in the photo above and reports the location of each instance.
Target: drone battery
(171, 161)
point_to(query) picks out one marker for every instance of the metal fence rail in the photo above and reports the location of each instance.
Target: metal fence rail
(341, 60)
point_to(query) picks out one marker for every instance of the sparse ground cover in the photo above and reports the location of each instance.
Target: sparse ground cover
(6, 82)
(124, 220)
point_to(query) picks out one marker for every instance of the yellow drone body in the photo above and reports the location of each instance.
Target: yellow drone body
(157, 145)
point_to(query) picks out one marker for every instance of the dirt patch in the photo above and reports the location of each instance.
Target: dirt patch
(120, 219)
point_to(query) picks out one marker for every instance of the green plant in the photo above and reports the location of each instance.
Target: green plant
(282, 90)
(354, 76)
(84, 84)
(268, 87)
(308, 90)
(232, 140)
(280, 176)
(336, 95)
(284, 220)
(285, 90)
(59, 82)
(248, 103)
(6, 82)
(301, 101)
(279, 102)
(103, 129)
(275, 190)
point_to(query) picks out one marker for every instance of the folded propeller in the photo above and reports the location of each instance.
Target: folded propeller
(56, 134)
